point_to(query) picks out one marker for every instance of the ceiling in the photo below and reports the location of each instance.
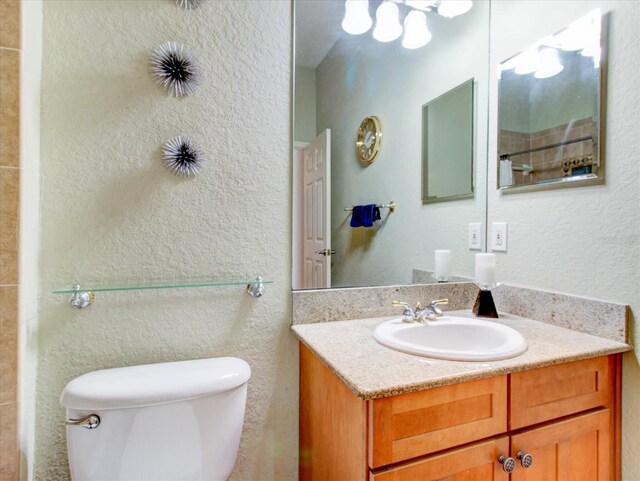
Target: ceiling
(317, 27)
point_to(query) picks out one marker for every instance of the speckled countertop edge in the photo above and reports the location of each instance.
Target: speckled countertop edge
(372, 371)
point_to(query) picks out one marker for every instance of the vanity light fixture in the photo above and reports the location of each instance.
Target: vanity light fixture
(356, 17)
(388, 26)
(424, 5)
(528, 61)
(453, 8)
(416, 32)
(549, 63)
(388, 15)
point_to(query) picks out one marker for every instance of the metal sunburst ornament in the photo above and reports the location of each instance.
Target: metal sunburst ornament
(175, 69)
(189, 4)
(183, 157)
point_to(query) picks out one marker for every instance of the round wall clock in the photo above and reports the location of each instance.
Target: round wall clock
(369, 139)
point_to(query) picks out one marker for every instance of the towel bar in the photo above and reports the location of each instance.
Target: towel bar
(391, 206)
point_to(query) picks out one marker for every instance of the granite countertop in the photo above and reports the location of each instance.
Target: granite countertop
(373, 371)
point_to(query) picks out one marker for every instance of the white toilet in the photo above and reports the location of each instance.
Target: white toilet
(174, 421)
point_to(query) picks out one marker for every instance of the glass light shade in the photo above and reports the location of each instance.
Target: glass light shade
(453, 8)
(424, 5)
(549, 63)
(356, 17)
(528, 61)
(388, 26)
(416, 33)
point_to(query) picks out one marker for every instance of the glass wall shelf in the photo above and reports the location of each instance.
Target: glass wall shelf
(84, 294)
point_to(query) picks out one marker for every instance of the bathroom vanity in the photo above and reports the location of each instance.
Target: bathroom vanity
(371, 413)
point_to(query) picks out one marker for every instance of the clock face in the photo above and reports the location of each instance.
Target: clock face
(369, 139)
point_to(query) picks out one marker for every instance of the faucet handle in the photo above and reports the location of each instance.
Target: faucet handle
(401, 304)
(439, 301)
(435, 303)
(408, 314)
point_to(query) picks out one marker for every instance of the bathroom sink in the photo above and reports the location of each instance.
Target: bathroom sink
(452, 338)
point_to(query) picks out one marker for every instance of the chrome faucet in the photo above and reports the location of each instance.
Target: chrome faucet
(420, 314)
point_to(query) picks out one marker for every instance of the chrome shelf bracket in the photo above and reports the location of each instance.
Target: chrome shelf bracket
(81, 299)
(256, 289)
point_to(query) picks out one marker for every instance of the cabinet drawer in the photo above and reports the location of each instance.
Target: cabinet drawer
(471, 463)
(411, 425)
(555, 391)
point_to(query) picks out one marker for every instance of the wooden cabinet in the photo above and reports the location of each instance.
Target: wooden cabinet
(565, 416)
(577, 448)
(476, 462)
(410, 425)
(555, 391)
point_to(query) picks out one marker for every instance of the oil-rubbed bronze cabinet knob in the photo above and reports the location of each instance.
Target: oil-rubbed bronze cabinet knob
(525, 459)
(508, 464)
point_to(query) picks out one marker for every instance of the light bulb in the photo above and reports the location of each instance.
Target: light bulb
(388, 26)
(416, 33)
(527, 61)
(424, 5)
(549, 63)
(453, 8)
(356, 17)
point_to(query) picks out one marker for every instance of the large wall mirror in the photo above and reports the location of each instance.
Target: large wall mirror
(341, 79)
(550, 99)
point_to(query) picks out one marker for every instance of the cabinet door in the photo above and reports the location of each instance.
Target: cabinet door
(478, 462)
(577, 449)
(551, 392)
(424, 422)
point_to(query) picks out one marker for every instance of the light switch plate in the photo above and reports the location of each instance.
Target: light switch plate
(475, 236)
(499, 236)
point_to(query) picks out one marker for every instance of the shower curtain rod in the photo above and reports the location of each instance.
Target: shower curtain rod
(544, 147)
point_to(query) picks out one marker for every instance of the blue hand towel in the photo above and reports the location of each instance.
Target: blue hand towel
(356, 216)
(368, 215)
(364, 215)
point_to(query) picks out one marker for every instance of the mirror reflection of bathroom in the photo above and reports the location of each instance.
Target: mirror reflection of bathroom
(447, 146)
(341, 79)
(550, 101)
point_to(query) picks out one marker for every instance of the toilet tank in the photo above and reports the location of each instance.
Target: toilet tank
(175, 421)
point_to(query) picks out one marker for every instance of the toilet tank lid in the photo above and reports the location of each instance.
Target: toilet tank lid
(152, 384)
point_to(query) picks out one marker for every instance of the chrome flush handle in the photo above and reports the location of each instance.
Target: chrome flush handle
(91, 421)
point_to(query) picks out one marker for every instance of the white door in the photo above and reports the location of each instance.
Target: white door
(316, 244)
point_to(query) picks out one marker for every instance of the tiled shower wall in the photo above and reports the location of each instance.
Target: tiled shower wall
(9, 226)
(548, 163)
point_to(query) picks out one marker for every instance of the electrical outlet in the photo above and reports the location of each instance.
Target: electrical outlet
(499, 236)
(475, 236)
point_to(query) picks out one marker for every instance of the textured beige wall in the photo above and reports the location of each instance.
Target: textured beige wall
(110, 211)
(581, 240)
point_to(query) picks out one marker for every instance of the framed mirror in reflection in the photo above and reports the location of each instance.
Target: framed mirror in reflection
(447, 146)
(550, 110)
(404, 56)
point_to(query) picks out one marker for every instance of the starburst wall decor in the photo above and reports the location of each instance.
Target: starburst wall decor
(189, 4)
(183, 157)
(175, 69)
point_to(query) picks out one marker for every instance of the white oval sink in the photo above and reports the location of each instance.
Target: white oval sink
(453, 338)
